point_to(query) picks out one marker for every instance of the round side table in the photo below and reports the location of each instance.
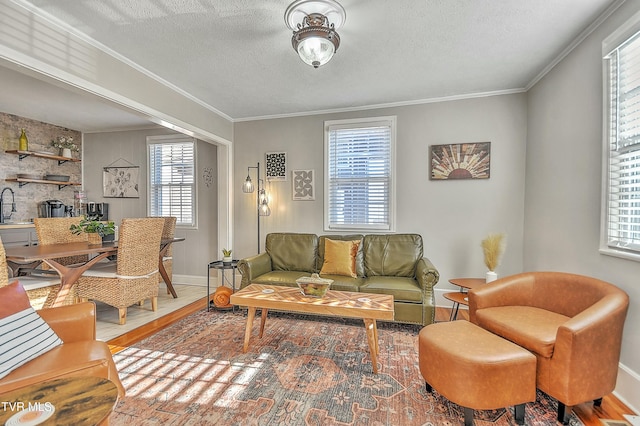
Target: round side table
(460, 297)
(223, 266)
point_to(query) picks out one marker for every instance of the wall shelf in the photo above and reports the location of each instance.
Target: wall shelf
(23, 154)
(22, 182)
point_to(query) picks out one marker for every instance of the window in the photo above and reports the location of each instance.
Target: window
(621, 230)
(359, 174)
(172, 187)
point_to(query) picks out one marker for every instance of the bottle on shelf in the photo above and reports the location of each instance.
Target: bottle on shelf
(23, 142)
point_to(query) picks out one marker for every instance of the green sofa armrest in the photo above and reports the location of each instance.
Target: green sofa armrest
(427, 275)
(253, 267)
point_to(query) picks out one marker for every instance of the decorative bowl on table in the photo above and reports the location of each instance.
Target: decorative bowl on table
(314, 286)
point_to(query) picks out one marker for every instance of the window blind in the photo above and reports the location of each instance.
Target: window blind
(623, 209)
(172, 181)
(359, 176)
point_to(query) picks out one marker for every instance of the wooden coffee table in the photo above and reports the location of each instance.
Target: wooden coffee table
(67, 401)
(369, 307)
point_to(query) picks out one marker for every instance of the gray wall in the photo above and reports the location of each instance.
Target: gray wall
(563, 183)
(452, 216)
(189, 257)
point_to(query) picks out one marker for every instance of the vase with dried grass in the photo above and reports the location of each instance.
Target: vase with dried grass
(493, 246)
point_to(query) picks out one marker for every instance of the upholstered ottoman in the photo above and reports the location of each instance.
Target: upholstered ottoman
(476, 369)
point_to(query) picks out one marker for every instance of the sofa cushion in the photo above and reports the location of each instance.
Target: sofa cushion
(532, 328)
(285, 278)
(392, 255)
(352, 237)
(292, 252)
(24, 335)
(343, 283)
(340, 257)
(402, 289)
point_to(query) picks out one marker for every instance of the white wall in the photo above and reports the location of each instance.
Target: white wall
(563, 184)
(452, 216)
(190, 257)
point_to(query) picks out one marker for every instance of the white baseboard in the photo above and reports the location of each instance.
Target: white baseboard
(201, 280)
(628, 388)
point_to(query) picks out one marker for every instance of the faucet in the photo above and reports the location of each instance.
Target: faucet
(13, 204)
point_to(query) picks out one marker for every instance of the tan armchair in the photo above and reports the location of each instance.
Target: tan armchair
(572, 324)
(79, 355)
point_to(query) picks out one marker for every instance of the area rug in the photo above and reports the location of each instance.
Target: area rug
(304, 371)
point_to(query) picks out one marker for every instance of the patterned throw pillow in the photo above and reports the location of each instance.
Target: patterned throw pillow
(340, 257)
(24, 335)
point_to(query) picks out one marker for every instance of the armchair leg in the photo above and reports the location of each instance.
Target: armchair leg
(519, 413)
(122, 314)
(597, 402)
(468, 416)
(154, 304)
(563, 413)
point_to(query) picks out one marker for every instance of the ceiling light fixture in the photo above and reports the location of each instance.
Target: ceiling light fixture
(314, 24)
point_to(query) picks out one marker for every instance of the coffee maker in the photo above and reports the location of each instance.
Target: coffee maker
(98, 210)
(51, 208)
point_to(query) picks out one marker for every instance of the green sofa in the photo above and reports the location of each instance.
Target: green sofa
(385, 263)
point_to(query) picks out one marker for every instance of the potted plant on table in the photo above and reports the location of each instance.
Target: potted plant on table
(226, 256)
(94, 228)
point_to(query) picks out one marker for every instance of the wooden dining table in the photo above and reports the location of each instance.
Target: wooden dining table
(17, 257)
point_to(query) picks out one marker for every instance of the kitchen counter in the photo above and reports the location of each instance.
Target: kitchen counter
(17, 225)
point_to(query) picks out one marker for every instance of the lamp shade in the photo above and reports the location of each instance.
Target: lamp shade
(316, 51)
(264, 209)
(247, 186)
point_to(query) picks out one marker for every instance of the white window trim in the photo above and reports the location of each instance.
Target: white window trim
(623, 33)
(151, 140)
(392, 184)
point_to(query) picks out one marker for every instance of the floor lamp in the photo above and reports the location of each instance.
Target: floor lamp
(261, 196)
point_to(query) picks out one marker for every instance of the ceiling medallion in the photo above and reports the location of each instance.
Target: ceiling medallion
(314, 24)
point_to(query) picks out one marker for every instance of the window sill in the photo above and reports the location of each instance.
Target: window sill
(608, 251)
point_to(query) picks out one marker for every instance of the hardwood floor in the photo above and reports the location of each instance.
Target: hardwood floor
(611, 407)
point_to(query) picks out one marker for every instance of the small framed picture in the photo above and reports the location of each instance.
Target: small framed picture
(460, 161)
(276, 165)
(303, 185)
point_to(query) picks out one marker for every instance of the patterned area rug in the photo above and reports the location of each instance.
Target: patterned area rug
(304, 371)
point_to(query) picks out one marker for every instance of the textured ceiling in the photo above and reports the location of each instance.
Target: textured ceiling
(236, 55)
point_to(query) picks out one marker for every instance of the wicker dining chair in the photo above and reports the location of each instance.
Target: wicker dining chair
(168, 231)
(4, 269)
(134, 277)
(55, 230)
(38, 288)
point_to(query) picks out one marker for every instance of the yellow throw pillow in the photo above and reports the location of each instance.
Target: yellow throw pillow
(340, 257)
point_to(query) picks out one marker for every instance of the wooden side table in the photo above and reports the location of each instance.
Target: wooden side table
(460, 297)
(68, 401)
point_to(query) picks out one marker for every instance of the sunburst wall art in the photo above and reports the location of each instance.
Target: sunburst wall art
(460, 161)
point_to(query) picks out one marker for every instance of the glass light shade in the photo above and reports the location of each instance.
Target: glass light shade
(316, 51)
(264, 209)
(248, 185)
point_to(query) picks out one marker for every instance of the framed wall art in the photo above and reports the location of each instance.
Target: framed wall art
(120, 182)
(460, 161)
(276, 166)
(303, 185)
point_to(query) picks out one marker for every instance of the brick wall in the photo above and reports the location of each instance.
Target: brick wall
(40, 136)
